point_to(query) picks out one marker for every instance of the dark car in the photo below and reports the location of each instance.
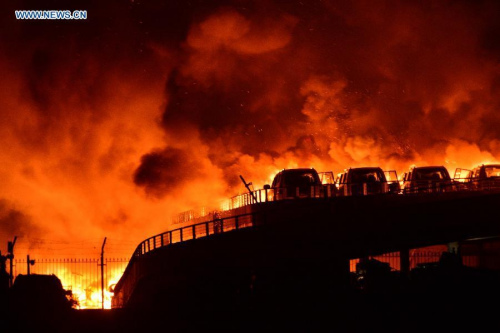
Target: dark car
(364, 181)
(428, 179)
(40, 294)
(296, 183)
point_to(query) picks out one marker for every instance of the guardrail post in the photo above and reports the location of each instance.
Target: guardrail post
(236, 222)
(194, 231)
(161, 240)
(180, 230)
(207, 230)
(221, 225)
(365, 189)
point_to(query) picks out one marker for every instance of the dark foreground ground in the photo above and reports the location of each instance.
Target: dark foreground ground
(432, 300)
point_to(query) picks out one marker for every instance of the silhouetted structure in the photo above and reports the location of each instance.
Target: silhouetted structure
(284, 253)
(39, 294)
(4, 282)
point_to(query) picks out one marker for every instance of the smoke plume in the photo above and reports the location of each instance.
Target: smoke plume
(112, 124)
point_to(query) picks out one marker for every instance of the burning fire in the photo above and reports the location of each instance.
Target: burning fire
(88, 294)
(114, 135)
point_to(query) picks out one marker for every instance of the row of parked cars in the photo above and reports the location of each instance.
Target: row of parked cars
(374, 180)
(308, 183)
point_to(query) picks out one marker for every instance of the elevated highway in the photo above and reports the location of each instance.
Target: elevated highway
(298, 245)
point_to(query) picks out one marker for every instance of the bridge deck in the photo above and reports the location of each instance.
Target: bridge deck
(317, 233)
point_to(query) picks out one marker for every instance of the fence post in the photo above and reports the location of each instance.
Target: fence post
(236, 222)
(194, 231)
(207, 229)
(180, 230)
(102, 273)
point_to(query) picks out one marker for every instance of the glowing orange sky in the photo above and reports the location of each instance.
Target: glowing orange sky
(111, 125)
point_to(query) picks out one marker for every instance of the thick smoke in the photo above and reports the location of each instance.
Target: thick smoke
(112, 124)
(15, 222)
(338, 84)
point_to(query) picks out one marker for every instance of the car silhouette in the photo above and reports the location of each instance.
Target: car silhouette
(482, 177)
(428, 179)
(296, 183)
(365, 181)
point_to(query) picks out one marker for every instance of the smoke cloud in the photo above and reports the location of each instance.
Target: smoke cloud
(111, 125)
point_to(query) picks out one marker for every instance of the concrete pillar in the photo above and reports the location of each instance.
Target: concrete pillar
(404, 261)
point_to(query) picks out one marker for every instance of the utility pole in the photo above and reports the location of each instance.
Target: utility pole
(10, 256)
(102, 272)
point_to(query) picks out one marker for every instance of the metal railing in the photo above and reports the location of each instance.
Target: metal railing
(430, 186)
(469, 184)
(190, 215)
(199, 230)
(454, 185)
(281, 193)
(341, 189)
